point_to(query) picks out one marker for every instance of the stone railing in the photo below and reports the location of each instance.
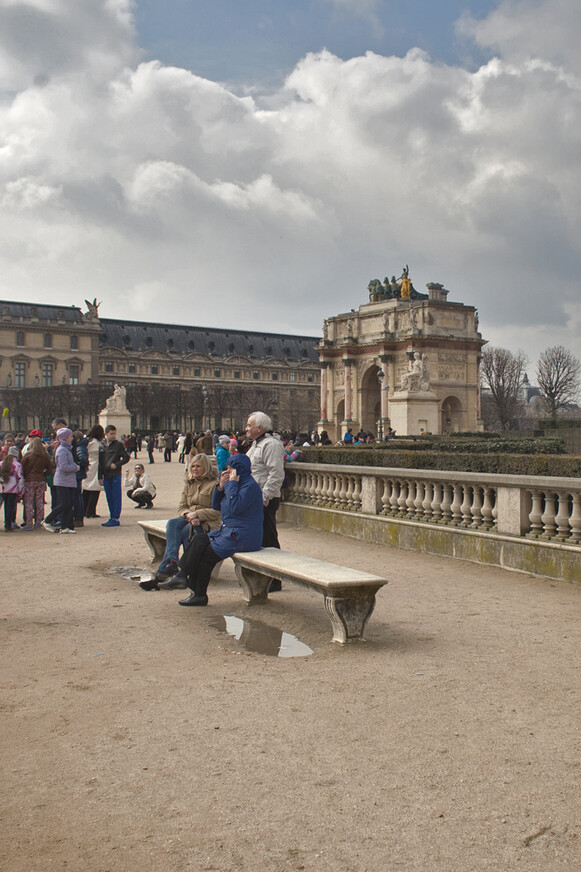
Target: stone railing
(529, 507)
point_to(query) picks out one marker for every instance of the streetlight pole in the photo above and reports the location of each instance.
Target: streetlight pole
(205, 395)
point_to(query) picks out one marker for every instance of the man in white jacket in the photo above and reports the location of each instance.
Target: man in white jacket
(266, 455)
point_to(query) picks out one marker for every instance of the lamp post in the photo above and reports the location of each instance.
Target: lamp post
(205, 395)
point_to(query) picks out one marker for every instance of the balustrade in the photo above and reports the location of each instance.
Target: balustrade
(528, 506)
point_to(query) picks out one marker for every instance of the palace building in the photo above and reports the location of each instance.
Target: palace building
(177, 376)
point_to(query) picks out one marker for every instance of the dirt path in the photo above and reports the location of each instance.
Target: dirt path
(135, 737)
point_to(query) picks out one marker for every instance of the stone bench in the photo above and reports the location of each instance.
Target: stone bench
(348, 593)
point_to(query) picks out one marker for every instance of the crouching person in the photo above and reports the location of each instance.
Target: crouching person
(141, 488)
(239, 498)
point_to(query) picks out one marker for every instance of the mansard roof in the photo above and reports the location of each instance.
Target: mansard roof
(27, 311)
(183, 340)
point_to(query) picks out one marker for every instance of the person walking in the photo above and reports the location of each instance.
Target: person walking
(115, 458)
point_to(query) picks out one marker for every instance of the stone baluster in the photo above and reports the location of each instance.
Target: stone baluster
(410, 506)
(312, 495)
(466, 506)
(562, 517)
(488, 508)
(447, 504)
(456, 507)
(536, 515)
(437, 502)
(402, 498)
(386, 495)
(394, 497)
(419, 500)
(548, 518)
(476, 510)
(357, 493)
(349, 492)
(575, 520)
(328, 490)
(342, 491)
(319, 490)
(337, 490)
(427, 503)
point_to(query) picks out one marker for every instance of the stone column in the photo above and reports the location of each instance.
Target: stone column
(385, 359)
(325, 364)
(348, 363)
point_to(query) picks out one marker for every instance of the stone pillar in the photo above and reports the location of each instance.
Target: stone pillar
(325, 364)
(385, 382)
(348, 363)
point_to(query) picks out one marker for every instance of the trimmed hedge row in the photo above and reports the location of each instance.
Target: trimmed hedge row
(501, 463)
(457, 445)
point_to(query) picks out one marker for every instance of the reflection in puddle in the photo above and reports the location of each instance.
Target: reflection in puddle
(133, 573)
(260, 638)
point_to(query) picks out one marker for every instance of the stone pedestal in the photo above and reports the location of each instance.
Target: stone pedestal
(120, 420)
(414, 413)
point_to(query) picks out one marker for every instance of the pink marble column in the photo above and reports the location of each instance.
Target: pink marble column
(324, 390)
(348, 389)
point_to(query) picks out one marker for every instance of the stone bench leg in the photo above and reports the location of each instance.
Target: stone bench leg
(349, 615)
(254, 585)
(156, 545)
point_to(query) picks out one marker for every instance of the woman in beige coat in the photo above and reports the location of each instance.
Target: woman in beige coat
(195, 514)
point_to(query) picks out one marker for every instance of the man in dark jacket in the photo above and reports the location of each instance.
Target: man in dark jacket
(115, 458)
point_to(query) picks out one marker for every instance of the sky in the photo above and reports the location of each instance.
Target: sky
(253, 165)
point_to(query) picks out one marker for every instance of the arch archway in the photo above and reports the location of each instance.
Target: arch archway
(370, 399)
(451, 415)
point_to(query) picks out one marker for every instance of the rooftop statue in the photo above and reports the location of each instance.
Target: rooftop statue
(396, 289)
(92, 309)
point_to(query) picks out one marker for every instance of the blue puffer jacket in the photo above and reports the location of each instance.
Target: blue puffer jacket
(242, 512)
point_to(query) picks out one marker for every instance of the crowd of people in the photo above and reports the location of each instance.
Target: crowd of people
(229, 502)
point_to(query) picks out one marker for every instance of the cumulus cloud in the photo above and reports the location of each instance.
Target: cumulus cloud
(153, 188)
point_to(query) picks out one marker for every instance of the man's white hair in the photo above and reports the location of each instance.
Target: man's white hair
(261, 420)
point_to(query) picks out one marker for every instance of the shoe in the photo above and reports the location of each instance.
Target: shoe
(49, 527)
(177, 582)
(149, 585)
(275, 586)
(111, 523)
(138, 507)
(67, 530)
(171, 568)
(148, 506)
(15, 526)
(194, 600)
(27, 527)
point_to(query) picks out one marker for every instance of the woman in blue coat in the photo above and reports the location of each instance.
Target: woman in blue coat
(239, 498)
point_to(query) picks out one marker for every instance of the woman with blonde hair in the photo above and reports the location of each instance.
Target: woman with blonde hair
(195, 515)
(36, 465)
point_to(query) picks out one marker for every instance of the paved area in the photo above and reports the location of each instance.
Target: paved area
(136, 735)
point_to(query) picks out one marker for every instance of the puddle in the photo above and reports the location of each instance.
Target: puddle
(133, 573)
(260, 638)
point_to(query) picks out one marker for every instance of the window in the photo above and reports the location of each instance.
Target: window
(292, 376)
(216, 373)
(310, 377)
(47, 375)
(255, 374)
(131, 367)
(197, 372)
(74, 343)
(176, 370)
(275, 376)
(154, 369)
(47, 340)
(108, 366)
(236, 373)
(73, 375)
(20, 338)
(19, 374)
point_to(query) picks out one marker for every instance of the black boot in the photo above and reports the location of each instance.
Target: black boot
(179, 581)
(195, 599)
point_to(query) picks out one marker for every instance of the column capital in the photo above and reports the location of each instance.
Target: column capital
(348, 361)
(325, 364)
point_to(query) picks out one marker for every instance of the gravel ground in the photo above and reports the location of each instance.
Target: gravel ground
(136, 735)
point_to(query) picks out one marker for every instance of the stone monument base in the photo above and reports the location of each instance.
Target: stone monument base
(120, 420)
(414, 413)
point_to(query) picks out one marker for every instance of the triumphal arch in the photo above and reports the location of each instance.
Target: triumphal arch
(405, 360)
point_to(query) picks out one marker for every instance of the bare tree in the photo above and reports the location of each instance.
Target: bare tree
(503, 374)
(558, 378)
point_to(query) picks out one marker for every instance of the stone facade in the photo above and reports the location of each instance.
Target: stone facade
(411, 363)
(198, 376)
